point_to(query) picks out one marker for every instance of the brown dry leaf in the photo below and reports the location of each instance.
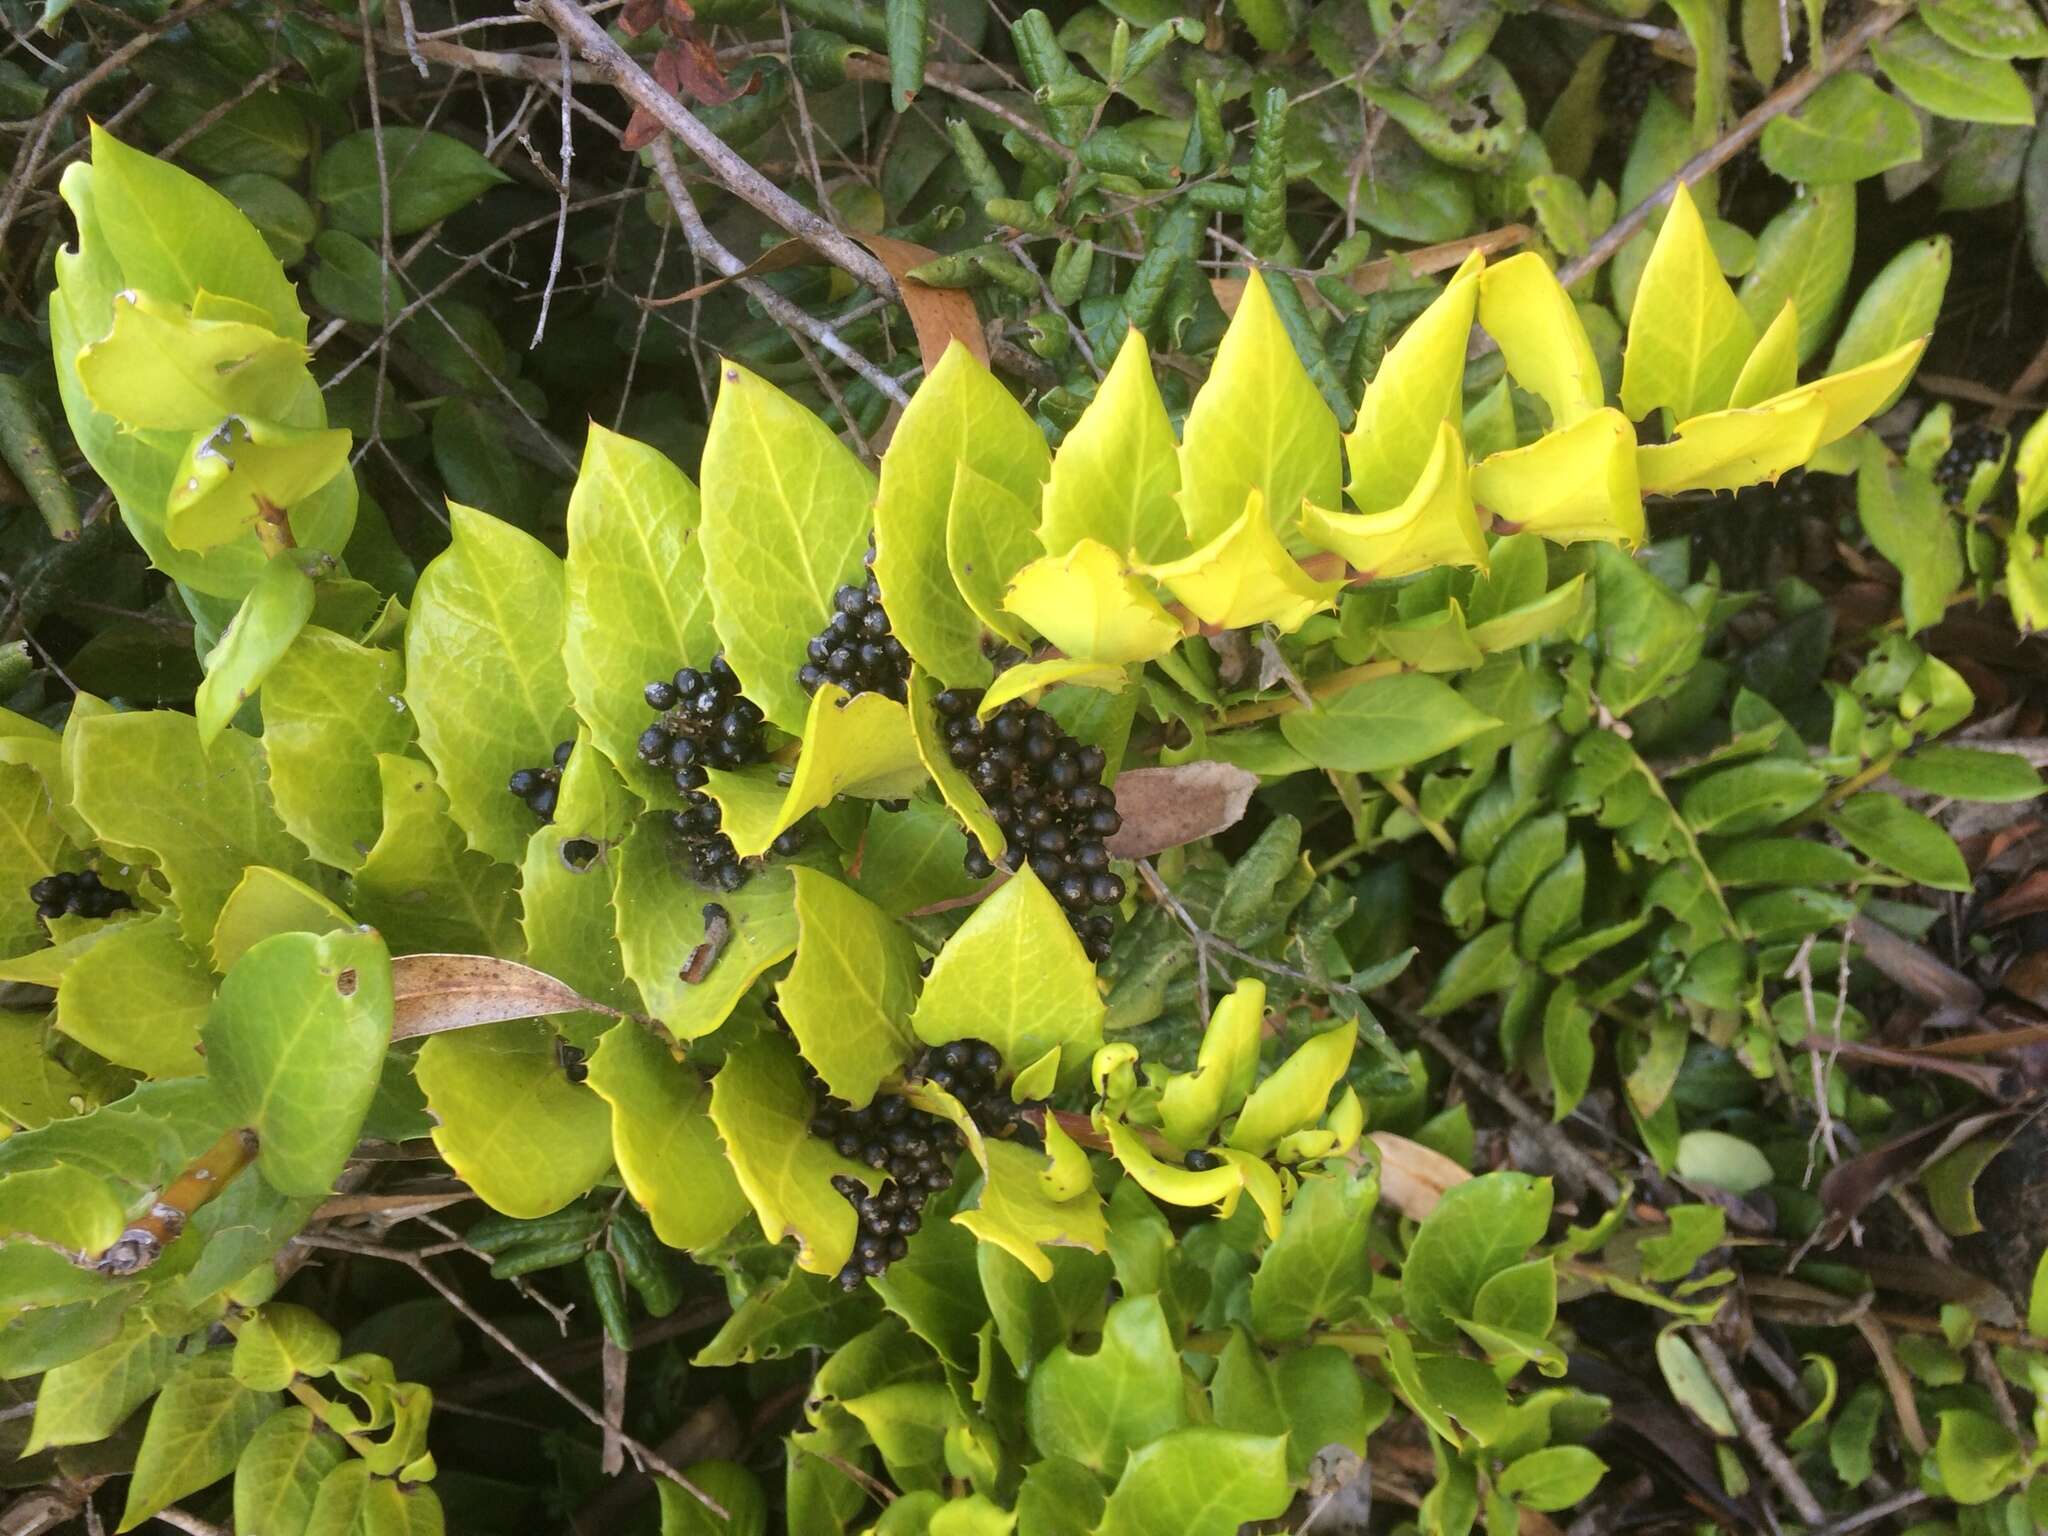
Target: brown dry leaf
(938, 315)
(698, 74)
(1165, 807)
(2022, 899)
(432, 993)
(1413, 1177)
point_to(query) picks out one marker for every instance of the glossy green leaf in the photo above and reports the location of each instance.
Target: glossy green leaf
(1886, 830)
(1722, 1161)
(1941, 78)
(663, 1138)
(1898, 307)
(422, 885)
(282, 1342)
(960, 418)
(1199, 1482)
(1969, 773)
(1015, 975)
(1688, 337)
(125, 768)
(330, 706)
(1990, 29)
(1317, 1270)
(1098, 1409)
(278, 1475)
(661, 922)
(1087, 603)
(1258, 424)
(270, 618)
(1415, 391)
(422, 177)
(1847, 130)
(1979, 1458)
(1477, 1229)
(196, 1431)
(1116, 478)
(509, 1121)
(633, 549)
(1556, 1477)
(785, 507)
(1752, 796)
(762, 1111)
(848, 996)
(1383, 724)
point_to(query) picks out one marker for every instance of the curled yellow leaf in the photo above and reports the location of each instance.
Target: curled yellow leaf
(1436, 525)
(1088, 604)
(1541, 338)
(1417, 386)
(1245, 576)
(1726, 450)
(1571, 485)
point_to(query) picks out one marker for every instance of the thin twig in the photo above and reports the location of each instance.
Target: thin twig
(1755, 1432)
(779, 309)
(733, 172)
(562, 212)
(177, 1519)
(1786, 97)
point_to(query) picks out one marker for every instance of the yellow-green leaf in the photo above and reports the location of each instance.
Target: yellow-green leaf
(1772, 367)
(229, 476)
(86, 1399)
(1542, 340)
(158, 369)
(1436, 525)
(1298, 1092)
(421, 883)
(960, 796)
(1688, 336)
(1259, 424)
(329, 707)
(662, 1137)
(1852, 398)
(1032, 677)
(1015, 975)
(280, 1343)
(1245, 576)
(1418, 387)
(1580, 483)
(1163, 1181)
(1087, 603)
(195, 1433)
(1116, 478)
(265, 902)
(1192, 1103)
(848, 996)
(861, 746)
(509, 1121)
(1020, 1208)
(1726, 450)
(269, 619)
(988, 540)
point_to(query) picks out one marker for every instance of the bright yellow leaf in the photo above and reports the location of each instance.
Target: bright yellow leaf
(1571, 485)
(1852, 398)
(1541, 338)
(1773, 364)
(1436, 525)
(1245, 576)
(1031, 676)
(1417, 386)
(1087, 603)
(1688, 335)
(1726, 450)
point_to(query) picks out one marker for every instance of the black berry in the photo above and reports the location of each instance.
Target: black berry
(856, 649)
(1971, 445)
(540, 787)
(76, 894)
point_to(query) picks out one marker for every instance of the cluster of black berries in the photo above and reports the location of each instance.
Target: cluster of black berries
(540, 787)
(917, 1151)
(704, 723)
(77, 894)
(1625, 85)
(856, 649)
(1971, 445)
(1045, 791)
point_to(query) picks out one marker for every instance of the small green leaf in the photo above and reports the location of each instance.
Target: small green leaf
(1990, 29)
(736, 1489)
(1979, 1457)
(785, 509)
(1847, 130)
(1015, 975)
(1903, 513)
(229, 476)
(160, 369)
(1943, 79)
(849, 995)
(281, 1343)
(1478, 1229)
(1899, 306)
(509, 1121)
(270, 618)
(293, 1046)
(423, 176)
(1098, 1409)
(1884, 829)
(330, 706)
(862, 746)
(1384, 724)
(988, 540)
(633, 549)
(1556, 1477)
(1803, 257)
(195, 1433)
(1192, 1103)
(1199, 1482)
(139, 997)
(1116, 477)
(961, 418)
(1696, 1230)
(662, 1136)
(484, 673)
(1259, 424)
(279, 1472)
(1484, 964)
(1316, 1271)
(1969, 773)
(87, 1399)
(762, 1111)
(1722, 1161)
